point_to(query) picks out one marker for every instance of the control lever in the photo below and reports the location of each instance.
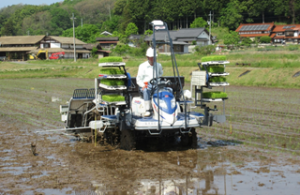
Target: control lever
(214, 109)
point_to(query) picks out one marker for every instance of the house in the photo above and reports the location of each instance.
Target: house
(181, 39)
(106, 42)
(100, 52)
(17, 47)
(106, 33)
(54, 44)
(286, 33)
(255, 30)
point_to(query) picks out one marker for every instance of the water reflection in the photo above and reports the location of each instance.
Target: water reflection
(211, 171)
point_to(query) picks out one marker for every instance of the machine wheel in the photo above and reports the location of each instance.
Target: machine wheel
(190, 139)
(193, 139)
(127, 140)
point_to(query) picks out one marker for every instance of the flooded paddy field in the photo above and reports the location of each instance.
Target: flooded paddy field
(257, 151)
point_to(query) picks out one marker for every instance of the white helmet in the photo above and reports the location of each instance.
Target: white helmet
(150, 52)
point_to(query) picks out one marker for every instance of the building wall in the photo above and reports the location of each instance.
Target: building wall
(55, 45)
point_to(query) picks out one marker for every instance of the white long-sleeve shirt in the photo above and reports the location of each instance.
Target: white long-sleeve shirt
(145, 73)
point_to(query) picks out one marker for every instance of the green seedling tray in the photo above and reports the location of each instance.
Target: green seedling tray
(110, 59)
(214, 94)
(113, 98)
(111, 82)
(111, 71)
(216, 69)
(217, 79)
(213, 58)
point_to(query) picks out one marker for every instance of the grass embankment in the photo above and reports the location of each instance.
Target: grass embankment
(267, 68)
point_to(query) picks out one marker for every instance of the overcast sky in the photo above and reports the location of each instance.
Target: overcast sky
(5, 3)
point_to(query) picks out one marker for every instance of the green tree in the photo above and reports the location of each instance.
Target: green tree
(60, 20)
(112, 24)
(131, 29)
(119, 7)
(246, 41)
(199, 22)
(120, 49)
(87, 33)
(231, 38)
(232, 14)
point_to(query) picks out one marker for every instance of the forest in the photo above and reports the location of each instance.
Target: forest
(95, 16)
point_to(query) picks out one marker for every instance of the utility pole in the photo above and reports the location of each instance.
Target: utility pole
(73, 18)
(28, 32)
(81, 22)
(209, 28)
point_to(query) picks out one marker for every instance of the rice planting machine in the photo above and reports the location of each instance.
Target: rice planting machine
(112, 111)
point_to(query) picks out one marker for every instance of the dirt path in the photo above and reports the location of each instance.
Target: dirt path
(261, 120)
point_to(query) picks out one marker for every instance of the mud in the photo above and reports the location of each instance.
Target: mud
(224, 162)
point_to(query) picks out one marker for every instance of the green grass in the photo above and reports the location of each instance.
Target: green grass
(111, 59)
(213, 58)
(217, 79)
(112, 82)
(214, 94)
(113, 98)
(111, 71)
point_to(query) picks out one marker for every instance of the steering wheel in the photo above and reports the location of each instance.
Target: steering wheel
(152, 81)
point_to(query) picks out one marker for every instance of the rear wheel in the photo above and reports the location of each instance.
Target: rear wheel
(189, 139)
(127, 140)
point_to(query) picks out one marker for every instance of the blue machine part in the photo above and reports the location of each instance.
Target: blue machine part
(128, 79)
(167, 102)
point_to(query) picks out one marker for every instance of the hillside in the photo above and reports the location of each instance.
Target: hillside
(115, 15)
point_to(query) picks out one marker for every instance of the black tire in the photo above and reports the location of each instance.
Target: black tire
(190, 139)
(193, 139)
(127, 140)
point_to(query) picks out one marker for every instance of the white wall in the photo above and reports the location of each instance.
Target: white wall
(41, 45)
(186, 49)
(54, 45)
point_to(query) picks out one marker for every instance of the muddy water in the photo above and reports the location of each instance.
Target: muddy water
(63, 165)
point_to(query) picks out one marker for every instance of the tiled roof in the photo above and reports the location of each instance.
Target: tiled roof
(282, 28)
(107, 38)
(19, 40)
(108, 41)
(67, 40)
(255, 27)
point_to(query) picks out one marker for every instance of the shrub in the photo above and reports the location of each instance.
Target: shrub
(246, 41)
(265, 39)
(205, 50)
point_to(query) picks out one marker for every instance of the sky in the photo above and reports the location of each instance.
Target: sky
(5, 3)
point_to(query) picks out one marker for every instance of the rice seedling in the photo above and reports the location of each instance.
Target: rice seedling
(112, 82)
(110, 59)
(113, 98)
(111, 71)
(214, 94)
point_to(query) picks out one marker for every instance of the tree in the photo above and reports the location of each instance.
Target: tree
(199, 22)
(119, 7)
(60, 20)
(121, 49)
(232, 14)
(131, 29)
(246, 41)
(231, 38)
(87, 33)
